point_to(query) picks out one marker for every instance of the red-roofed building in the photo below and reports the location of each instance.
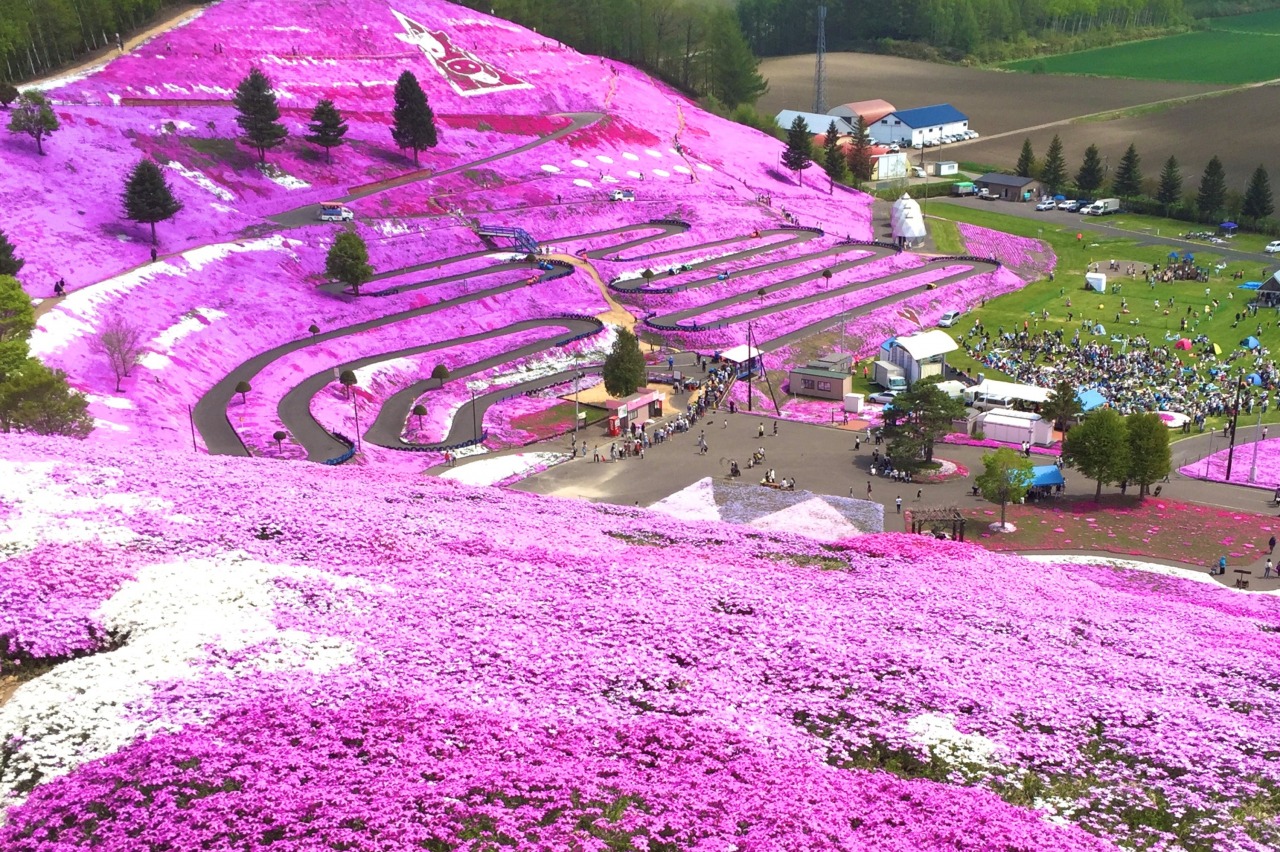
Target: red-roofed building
(871, 111)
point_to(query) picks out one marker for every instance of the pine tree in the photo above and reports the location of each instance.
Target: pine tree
(624, 368)
(147, 197)
(1128, 180)
(348, 261)
(33, 116)
(1054, 172)
(1090, 177)
(10, 263)
(413, 124)
(860, 153)
(1026, 160)
(833, 161)
(1212, 195)
(1170, 191)
(8, 94)
(259, 115)
(734, 70)
(799, 153)
(327, 127)
(1258, 203)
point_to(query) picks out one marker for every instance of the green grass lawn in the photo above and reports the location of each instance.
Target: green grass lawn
(1029, 303)
(1209, 56)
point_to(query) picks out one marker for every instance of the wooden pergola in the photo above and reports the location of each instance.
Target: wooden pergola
(936, 520)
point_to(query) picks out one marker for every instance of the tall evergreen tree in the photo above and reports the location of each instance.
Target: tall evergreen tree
(1026, 160)
(860, 153)
(327, 127)
(799, 153)
(1090, 177)
(413, 124)
(147, 196)
(10, 263)
(624, 368)
(918, 418)
(1212, 195)
(1054, 172)
(258, 114)
(1170, 190)
(733, 70)
(1128, 180)
(833, 159)
(1258, 203)
(33, 116)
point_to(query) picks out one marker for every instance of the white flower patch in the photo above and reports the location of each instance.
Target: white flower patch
(286, 180)
(550, 169)
(581, 182)
(167, 339)
(110, 401)
(201, 180)
(633, 174)
(180, 620)
(48, 511)
(606, 160)
(653, 153)
(938, 733)
(110, 425)
(662, 173)
(1137, 565)
(582, 164)
(394, 227)
(704, 167)
(696, 502)
(632, 157)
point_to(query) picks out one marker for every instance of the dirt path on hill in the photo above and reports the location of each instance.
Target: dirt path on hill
(617, 314)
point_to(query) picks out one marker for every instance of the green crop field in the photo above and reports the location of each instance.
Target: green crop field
(1218, 55)
(1256, 22)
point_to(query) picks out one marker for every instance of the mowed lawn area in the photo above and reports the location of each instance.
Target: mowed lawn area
(1210, 56)
(1143, 317)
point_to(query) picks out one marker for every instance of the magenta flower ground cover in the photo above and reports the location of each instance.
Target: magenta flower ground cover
(320, 656)
(1266, 474)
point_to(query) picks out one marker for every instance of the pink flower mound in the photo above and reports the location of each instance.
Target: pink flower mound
(1030, 258)
(1215, 466)
(413, 774)
(437, 660)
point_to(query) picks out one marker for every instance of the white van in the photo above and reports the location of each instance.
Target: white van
(988, 401)
(949, 319)
(332, 211)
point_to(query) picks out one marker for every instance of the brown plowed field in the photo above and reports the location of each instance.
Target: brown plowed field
(1007, 106)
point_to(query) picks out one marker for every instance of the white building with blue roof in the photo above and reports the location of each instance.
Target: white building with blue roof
(919, 126)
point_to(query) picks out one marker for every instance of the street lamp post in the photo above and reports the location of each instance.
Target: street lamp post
(473, 387)
(356, 410)
(1257, 438)
(576, 376)
(1235, 416)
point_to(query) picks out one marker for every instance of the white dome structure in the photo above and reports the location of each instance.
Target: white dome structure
(907, 221)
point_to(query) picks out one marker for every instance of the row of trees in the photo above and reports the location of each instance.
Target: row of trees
(1209, 202)
(693, 44)
(851, 163)
(39, 37)
(781, 27)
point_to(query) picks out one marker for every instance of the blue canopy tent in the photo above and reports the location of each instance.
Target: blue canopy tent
(1173, 255)
(1188, 256)
(1090, 399)
(1046, 476)
(1254, 379)
(1250, 342)
(1059, 198)
(1229, 228)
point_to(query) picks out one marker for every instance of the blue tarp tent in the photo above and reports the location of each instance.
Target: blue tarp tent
(1250, 342)
(1228, 227)
(1254, 379)
(1046, 475)
(1250, 285)
(1090, 399)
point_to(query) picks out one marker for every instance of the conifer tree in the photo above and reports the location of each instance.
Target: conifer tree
(413, 124)
(860, 153)
(1026, 160)
(348, 261)
(1128, 179)
(833, 161)
(1170, 191)
(327, 127)
(1054, 172)
(258, 114)
(1090, 177)
(10, 263)
(147, 196)
(1212, 195)
(799, 153)
(624, 368)
(1258, 203)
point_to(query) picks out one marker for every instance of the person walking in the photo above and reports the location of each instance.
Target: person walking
(1266, 570)
(857, 443)
(898, 503)
(868, 487)
(1271, 545)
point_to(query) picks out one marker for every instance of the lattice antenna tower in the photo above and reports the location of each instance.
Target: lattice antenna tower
(820, 72)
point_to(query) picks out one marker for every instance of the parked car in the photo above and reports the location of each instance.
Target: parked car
(949, 319)
(1272, 247)
(1070, 205)
(622, 195)
(884, 397)
(332, 211)
(1047, 204)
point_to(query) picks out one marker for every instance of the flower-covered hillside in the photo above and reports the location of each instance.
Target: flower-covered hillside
(308, 657)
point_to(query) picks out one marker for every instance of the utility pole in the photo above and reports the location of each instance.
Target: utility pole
(1257, 438)
(355, 408)
(750, 368)
(1235, 415)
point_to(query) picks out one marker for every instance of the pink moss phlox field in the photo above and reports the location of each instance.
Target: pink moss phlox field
(567, 632)
(1029, 257)
(1265, 475)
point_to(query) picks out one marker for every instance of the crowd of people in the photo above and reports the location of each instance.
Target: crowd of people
(1130, 372)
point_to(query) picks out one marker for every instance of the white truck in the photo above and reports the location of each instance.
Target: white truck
(890, 376)
(1102, 207)
(333, 211)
